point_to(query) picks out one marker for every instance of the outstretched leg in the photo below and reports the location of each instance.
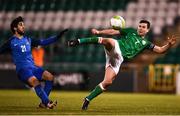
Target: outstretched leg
(107, 42)
(34, 82)
(38, 89)
(113, 62)
(108, 79)
(48, 78)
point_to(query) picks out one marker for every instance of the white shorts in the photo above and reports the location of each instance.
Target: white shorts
(114, 58)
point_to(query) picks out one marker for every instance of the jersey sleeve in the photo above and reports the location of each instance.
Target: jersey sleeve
(125, 31)
(35, 42)
(5, 47)
(43, 42)
(150, 46)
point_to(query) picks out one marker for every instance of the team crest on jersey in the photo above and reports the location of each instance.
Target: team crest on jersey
(143, 42)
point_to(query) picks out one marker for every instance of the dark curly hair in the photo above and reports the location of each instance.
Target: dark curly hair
(15, 22)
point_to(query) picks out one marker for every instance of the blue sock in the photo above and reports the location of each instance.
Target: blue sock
(48, 87)
(41, 93)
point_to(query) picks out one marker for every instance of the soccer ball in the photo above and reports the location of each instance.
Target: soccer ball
(117, 22)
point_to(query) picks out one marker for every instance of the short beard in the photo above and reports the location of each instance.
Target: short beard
(20, 32)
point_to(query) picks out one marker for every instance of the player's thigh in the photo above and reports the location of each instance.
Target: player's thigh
(38, 73)
(47, 76)
(109, 43)
(26, 75)
(110, 75)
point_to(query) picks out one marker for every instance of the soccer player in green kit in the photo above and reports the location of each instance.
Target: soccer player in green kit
(131, 43)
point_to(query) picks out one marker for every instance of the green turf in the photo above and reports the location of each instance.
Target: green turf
(25, 102)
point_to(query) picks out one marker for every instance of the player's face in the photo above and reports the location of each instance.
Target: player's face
(21, 28)
(142, 29)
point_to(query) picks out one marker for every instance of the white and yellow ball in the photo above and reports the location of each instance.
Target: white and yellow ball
(117, 22)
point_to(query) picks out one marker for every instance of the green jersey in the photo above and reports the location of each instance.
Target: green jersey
(132, 44)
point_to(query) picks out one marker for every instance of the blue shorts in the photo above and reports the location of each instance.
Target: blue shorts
(25, 73)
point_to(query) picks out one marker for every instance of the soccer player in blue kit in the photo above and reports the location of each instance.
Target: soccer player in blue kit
(20, 48)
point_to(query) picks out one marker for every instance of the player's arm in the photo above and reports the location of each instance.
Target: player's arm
(50, 40)
(161, 49)
(5, 47)
(105, 32)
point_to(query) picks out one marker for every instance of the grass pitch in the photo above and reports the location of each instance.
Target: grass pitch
(24, 102)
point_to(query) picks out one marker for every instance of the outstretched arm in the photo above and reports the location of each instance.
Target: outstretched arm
(49, 40)
(105, 32)
(170, 42)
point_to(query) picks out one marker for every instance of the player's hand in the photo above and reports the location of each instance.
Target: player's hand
(62, 33)
(171, 40)
(94, 31)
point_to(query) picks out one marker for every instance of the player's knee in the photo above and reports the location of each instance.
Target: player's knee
(49, 77)
(33, 81)
(107, 83)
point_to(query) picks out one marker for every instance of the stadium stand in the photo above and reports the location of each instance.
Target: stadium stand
(64, 5)
(45, 17)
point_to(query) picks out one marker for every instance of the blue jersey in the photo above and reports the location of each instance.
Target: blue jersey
(21, 50)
